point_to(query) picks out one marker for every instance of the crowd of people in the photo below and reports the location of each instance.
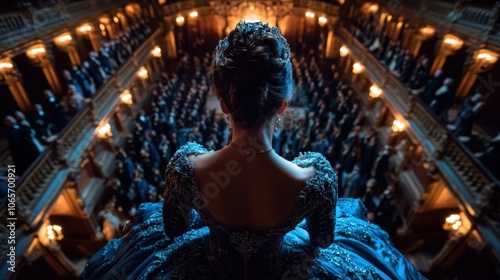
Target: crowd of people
(29, 134)
(436, 91)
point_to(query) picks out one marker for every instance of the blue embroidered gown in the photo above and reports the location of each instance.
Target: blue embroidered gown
(324, 238)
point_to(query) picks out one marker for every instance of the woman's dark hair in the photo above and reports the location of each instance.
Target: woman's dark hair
(252, 73)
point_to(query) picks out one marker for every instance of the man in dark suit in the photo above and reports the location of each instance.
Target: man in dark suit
(443, 98)
(22, 148)
(55, 109)
(432, 85)
(381, 167)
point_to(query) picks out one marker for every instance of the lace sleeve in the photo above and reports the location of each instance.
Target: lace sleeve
(179, 191)
(323, 199)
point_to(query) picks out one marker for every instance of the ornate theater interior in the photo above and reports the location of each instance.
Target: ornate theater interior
(85, 78)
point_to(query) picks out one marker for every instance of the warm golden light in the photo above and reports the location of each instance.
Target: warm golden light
(310, 14)
(116, 19)
(63, 40)
(344, 51)
(487, 56)
(85, 28)
(453, 42)
(156, 52)
(389, 18)
(375, 91)
(102, 27)
(54, 232)
(36, 51)
(357, 68)
(397, 126)
(105, 131)
(104, 20)
(373, 8)
(130, 9)
(427, 31)
(180, 20)
(126, 97)
(452, 222)
(142, 73)
(193, 14)
(6, 65)
(322, 21)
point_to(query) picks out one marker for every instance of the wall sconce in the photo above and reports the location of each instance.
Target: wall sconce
(389, 18)
(375, 91)
(487, 56)
(63, 40)
(452, 42)
(397, 126)
(130, 9)
(126, 97)
(142, 73)
(310, 14)
(104, 132)
(357, 68)
(322, 21)
(427, 31)
(193, 14)
(5, 66)
(452, 223)
(344, 51)
(156, 52)
(373, 8)
(180, 20)
(116, 19)
(36, 51)
(104, 20)
(85, 28)
(54, 233)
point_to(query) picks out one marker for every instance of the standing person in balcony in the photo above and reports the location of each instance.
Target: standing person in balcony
(443, 98)
(53, 106)
(23, 149)
(420, 77)
(432, 85)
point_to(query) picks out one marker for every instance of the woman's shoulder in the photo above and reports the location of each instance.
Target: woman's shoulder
(324, 178)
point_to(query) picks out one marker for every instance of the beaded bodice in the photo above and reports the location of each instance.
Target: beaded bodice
(245, 254)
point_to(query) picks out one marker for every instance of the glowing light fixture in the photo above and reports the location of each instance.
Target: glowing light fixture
(180, 20)
(142, 73)
(63, 40)
(344, 51)
(126, 97)
(357, 68)
(6, 65)
(85, 28)
(453, 42)
(427, 31)
(452, 222)
(310, 14)
(487, 56)
(375, 91)
(397, 126)
(156, 52)
(104, 131)
(193, 14)
(116, 19)
(389, 18)
(322, 21)
(373, 8)
(54, 232)
(36, 50)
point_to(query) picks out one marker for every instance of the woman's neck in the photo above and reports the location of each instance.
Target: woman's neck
(257, 138)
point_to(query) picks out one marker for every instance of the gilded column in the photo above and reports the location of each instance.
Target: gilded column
(66, 42)
(449, 45)
(41, 57)
(479, 61)
(11, 78)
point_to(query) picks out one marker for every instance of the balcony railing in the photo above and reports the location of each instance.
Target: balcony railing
(44, 180)
(17, 28)
(476, 188)
(469, 20)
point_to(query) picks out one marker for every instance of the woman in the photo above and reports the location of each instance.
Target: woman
(243, 212)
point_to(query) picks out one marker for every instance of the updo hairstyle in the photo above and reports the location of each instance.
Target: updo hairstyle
(252, 73)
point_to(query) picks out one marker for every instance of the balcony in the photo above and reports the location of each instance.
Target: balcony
(476, 188)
